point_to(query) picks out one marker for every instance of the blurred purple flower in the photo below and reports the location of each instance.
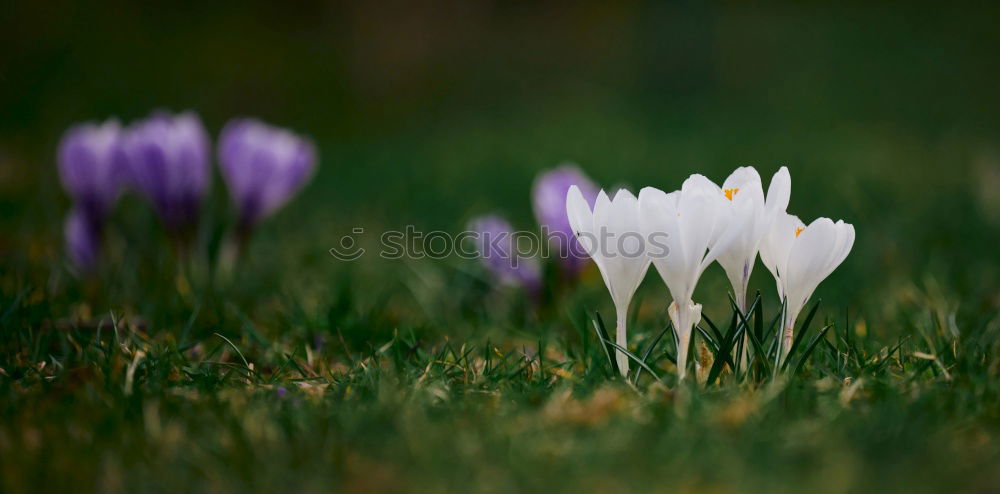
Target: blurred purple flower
(263, 166)
(90, 167)
(548, 196)
(281, 391)
(83, 239)
(168, 162)
(496, 245)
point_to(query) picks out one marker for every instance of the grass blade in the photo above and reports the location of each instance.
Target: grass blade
(602, 336)
(810, 348)
(656, 341)
(716, 334)
(649, 349)
(724, 355)
(759, 355)
(629, 354)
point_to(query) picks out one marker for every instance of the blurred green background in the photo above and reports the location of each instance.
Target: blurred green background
(427, 113)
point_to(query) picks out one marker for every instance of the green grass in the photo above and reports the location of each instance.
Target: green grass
(417, 375)
(123, 409)
(306, 374)
(337, 392)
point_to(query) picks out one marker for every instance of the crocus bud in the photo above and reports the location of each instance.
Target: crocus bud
(90, 168)
(168, 162)
(695, 224)
(548, 196)
(82, 233)
(495, 242)
(263, 167)
(609, 232)
(800, 257)
(754, 214)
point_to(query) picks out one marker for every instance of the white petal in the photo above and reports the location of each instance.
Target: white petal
(810, 255)
(748, 225)
(779, 192)
(745, 228)
(581, 219)
(700, 210)
(618, 247)
(750, 202)
(598, 253)
(740, 178)
(700, 182)
(845, 241)
(658, 218)
(777, 243)
(601, 205)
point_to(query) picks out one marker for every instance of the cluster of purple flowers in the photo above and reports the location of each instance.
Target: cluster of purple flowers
(166, 159)
(548, 195)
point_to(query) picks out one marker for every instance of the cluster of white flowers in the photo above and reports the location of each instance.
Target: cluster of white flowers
(702, 223)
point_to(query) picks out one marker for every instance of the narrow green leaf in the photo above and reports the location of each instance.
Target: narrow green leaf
(881, 363)
(715, 329)
(810, 348)
(801, 335)
(724, 355)
(709, 339)
(759, 319)
(656, 341)
(602, 336)
(637, 360)
(759, 355)
(650, 347)
(780, 337)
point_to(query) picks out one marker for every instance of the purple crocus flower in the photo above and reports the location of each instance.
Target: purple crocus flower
(495, 241)
(548, 196)
(168, 162)
(263, 166)
(90, 167)
(83, 239)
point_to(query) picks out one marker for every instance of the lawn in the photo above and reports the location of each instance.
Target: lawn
(301, 372)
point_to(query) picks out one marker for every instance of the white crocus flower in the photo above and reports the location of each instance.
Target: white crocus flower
(695, 223)
(745, 193)
(610, 234)
(800, 257)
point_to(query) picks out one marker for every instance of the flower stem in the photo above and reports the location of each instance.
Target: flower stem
(621, 340)
(741, 304)
(683, 342)
(788, 335)
(682, 316)
(230, 252)
(786, 343)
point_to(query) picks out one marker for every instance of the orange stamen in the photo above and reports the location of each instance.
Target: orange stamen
(730, 193)
(799, 230)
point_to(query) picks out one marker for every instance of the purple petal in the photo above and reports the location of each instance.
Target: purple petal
(87, 166)
(167, 159)
(83, 240)
(549, 202)
(263, 166)
(495, 243)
